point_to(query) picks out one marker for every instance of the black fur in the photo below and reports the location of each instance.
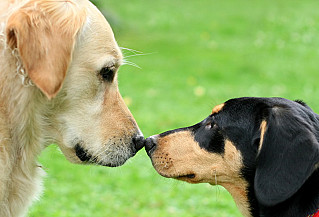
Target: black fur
(209, 136)
(283, 174)
(206, 133)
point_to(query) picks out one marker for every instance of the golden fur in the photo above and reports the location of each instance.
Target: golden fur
(51, 53)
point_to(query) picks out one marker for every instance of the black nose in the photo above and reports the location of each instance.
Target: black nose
(150, 144)
(139, 142)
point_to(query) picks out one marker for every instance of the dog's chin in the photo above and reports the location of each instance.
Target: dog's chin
(111, 159)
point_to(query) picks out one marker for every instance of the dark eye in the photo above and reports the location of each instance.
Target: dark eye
(107, 74)
(208, 126)
(211, 125)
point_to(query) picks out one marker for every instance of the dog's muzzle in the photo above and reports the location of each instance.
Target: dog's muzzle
(137, 143)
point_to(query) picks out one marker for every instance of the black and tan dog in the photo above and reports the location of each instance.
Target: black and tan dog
(264, 151)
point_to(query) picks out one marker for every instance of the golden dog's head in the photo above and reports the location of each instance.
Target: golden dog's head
(69, 53)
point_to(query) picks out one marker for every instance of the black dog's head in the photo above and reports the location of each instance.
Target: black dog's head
(262, 150)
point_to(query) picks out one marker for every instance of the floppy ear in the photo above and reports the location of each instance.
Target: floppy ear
(44, 34)
(287, 157)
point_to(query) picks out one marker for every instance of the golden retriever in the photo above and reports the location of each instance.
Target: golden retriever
(58, 83)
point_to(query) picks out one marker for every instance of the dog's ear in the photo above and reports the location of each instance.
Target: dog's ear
(44, 34)
(287, 155)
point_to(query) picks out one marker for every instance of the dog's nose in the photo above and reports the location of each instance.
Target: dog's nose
(150, 144)
(139, 142)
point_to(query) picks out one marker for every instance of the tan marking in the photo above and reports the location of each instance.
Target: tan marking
(233, 158)
(237, 186)
(179, 154)
(240, 196)
(218, 108)
(263, 127)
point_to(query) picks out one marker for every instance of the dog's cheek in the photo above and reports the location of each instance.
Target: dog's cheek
(233, 158)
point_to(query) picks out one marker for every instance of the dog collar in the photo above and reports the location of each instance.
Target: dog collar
(316, 214)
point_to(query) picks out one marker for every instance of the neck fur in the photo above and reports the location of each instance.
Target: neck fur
(22, 138)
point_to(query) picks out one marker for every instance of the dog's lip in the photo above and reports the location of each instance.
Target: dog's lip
(183, 176)
(82, 154)
(188, 176)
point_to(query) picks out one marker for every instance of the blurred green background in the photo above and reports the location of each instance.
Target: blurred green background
(192, 55)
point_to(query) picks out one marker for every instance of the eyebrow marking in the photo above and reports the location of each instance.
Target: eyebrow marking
(218, 108)
(263, 127)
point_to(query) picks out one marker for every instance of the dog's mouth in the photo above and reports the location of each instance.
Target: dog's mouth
(183, 177)
(83, 155)
(188, 176)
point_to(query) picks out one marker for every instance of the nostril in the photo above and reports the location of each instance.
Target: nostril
(139, 142)
(150, 144)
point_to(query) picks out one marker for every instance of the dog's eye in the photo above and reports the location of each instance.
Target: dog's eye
(107, 74)
(211, 125)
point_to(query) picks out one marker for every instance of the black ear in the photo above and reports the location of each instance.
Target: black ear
(287, 156)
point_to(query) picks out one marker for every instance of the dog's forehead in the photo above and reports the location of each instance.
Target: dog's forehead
(245, 111)
(98, 31)
(96, 46)
(233, 107)
(245, 105)
(238, 111)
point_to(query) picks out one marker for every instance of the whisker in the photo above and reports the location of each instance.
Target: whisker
(126, 62)
(131, 50)
(101, 151)
(139, 54)
(133, 54)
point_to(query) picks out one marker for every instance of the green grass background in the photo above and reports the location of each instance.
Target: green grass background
(197, 54)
